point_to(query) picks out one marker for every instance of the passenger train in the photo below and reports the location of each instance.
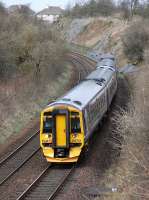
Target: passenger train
(68, 123)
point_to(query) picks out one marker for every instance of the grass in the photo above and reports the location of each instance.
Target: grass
(130, 173)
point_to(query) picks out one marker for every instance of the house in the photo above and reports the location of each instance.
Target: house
(50, 14)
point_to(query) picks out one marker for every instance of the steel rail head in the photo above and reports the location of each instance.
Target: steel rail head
(15, 170)
(2, 161)
(38, 179)
(82, 56)
(57, 189)
(34, 182)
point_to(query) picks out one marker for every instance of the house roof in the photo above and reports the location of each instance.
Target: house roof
(51, 10)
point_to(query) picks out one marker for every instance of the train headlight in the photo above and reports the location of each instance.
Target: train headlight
(74, 135)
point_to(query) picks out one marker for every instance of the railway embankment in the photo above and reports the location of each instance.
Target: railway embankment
(129, 173)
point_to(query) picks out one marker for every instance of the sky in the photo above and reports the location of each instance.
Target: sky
(38, 5)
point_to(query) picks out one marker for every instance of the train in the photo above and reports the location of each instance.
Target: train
(67, 124)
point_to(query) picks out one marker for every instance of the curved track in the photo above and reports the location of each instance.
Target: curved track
(84, 64)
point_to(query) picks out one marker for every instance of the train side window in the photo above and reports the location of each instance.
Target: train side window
(75, 125)
(47, 125)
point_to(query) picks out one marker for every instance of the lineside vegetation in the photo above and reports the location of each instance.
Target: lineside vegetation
(28, 45)
(127, 8)
(130, 173)
(135, 40)
(32, 66)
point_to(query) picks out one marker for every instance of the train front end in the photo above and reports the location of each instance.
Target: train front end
(61, 133)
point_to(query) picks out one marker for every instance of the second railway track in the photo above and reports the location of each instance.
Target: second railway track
(14, 161)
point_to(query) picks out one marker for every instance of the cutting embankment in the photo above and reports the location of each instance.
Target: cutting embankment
(127, 171)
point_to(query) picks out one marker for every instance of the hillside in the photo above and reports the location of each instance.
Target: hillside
(102, 34)
(128, 171)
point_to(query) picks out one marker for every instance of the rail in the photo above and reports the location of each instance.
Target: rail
(48, 184)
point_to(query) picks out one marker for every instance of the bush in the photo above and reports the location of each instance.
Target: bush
(135, 41)
(92, 8)
(143, 10)
(28, 45)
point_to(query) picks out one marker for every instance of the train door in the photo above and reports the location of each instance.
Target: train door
(61, 130)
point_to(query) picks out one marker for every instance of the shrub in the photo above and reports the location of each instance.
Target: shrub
(92, 8)
(135, 40)
(28, 45)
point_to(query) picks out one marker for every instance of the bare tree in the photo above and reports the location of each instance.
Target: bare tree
(133, 6)
(2, 8)
(129, 8)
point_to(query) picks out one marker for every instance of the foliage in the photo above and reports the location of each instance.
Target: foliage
(143, 10)
(27, 44)
(92, 8)
(135, 41)
(129, 8)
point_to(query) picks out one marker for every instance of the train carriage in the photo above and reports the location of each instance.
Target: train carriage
(68, 123)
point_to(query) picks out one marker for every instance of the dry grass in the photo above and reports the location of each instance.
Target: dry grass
(131, 173)
(20, 107)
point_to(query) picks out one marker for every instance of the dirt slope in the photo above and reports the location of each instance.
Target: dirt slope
(100, 34)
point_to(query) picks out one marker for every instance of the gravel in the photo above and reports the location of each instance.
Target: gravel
(23, 178)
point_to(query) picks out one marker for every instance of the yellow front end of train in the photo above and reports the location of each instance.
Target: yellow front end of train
(61, 133)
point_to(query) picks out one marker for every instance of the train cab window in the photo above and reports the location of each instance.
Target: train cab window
(78, 102)
(47, 125)
(75, 125)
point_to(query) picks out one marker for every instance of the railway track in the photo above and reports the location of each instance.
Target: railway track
(83, 57)
(86, 65)
(14, 161)
(48, 184)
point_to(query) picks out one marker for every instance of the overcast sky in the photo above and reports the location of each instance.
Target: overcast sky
(38, 5)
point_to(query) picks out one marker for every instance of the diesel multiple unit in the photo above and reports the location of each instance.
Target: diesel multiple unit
(68, 123)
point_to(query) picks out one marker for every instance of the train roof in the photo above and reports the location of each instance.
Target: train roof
(102, 74)
(101, 56)
(83, 93)
(107, 62)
